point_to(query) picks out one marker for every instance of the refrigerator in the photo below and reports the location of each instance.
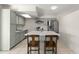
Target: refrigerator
(53, 25)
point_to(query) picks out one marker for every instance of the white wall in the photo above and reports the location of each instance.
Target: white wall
(69, 30)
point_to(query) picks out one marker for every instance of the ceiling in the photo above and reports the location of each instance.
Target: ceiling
(41, 10)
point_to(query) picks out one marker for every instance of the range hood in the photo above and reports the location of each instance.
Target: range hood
(39, 21)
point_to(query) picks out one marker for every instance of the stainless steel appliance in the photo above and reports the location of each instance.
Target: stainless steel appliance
(53, 25)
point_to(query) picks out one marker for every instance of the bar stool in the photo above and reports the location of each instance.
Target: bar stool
(51, 43)
(33, 43)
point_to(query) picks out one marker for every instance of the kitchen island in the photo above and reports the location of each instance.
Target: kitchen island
(42, 37)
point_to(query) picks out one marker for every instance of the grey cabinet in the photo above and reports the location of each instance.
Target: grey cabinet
(12, 35)
(19, 36)
(12, 17)
(20, 20)
(12, 28)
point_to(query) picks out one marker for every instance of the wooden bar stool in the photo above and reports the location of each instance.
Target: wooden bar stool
(34, 43)
(51, 43)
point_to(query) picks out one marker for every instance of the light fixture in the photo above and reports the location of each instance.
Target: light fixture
(26, 15)
(54, 7)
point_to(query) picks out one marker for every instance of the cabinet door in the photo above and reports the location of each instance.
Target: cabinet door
(12, 35)
(21, 20)
(17, 38)
(13, 17)
(17, 20)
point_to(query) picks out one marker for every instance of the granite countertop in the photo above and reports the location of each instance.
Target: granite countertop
(21, 30)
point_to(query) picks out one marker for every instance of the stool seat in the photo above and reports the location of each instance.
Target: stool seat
(48, 44)
(34, 45)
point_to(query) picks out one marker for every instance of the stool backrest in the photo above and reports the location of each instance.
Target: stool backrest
(33, 37)
(51, 38)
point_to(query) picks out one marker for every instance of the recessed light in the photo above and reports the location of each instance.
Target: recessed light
(26, 15)
(54, 7)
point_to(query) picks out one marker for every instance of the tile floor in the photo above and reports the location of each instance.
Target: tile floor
(21, 48)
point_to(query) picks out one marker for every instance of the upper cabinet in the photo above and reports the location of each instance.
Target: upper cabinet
(12, 17)
(20, 20)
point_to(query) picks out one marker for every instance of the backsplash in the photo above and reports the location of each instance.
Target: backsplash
(31, 24)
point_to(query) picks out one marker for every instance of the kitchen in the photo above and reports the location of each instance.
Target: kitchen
(18, 20)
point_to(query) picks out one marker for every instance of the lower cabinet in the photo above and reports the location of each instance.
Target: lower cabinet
(16, 38)
(12, 35)
(19, 37)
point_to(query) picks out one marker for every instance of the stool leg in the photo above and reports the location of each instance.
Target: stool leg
(52, 50)
(30, 50)
(44, 50)
(55, 50)
(38, 50)
(27, 49)
(56, 47)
